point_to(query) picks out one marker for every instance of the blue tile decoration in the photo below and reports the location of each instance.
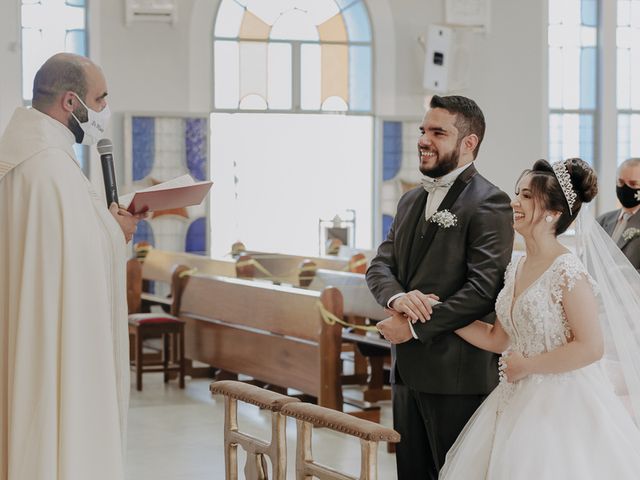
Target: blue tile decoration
(143, 139)
(144, 233)
(387, 220)
(391, 149)
(195, 137)
(196, 241)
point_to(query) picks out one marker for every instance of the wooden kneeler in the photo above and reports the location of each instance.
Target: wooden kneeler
(307, 416)
(256, 465)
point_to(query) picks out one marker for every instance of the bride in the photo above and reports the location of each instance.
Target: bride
(555, 414)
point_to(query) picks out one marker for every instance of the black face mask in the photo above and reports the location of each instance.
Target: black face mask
(629, 197)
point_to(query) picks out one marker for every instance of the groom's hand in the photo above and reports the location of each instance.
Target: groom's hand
(395, 328)
(415, 305)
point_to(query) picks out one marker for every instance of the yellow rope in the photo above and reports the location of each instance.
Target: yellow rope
(187, 273)
(330, 319)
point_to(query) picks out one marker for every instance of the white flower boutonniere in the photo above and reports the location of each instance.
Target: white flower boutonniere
(630, 234)
(444, 219)
(638, 195)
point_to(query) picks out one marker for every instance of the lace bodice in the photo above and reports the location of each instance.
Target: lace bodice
(535, 320)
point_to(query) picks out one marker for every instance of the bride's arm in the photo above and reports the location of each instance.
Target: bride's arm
(485, 336)
(586, 346)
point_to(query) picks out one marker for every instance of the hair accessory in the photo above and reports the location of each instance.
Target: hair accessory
(548, 219)
(564, 179)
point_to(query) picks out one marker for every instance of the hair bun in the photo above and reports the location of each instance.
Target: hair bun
(583, 178)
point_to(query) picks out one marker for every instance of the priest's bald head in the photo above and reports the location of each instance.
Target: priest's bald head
(66, 86)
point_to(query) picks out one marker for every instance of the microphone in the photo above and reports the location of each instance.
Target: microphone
(105, 149)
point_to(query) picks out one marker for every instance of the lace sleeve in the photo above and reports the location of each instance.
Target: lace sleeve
(568, 270)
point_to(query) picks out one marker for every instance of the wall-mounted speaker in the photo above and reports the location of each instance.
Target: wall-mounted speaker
(447, 58)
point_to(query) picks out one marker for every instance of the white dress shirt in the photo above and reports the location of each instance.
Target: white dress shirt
(440, 189)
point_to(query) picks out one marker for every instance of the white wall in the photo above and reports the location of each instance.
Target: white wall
(155, 67)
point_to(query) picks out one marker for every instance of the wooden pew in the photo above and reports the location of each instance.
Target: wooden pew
(275, 334)
(358, 305)
(285, 269)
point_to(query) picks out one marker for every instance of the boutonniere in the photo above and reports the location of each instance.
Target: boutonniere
(444, 219)
(630, 234)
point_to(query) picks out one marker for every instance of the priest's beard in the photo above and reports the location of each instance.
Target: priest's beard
(74, 126)
(446, 163)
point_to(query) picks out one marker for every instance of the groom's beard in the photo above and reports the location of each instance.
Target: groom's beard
(446, 164)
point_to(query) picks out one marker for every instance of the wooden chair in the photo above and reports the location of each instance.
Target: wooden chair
(158, 325)
(256, 465)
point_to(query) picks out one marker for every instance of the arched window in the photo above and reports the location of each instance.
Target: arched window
(291, 128)
(293, 55)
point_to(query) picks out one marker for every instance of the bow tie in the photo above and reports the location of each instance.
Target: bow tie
(431, 185)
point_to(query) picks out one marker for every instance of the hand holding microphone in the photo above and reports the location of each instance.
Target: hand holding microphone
(127, 222)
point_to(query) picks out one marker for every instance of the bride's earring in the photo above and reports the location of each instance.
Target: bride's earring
(548, 219)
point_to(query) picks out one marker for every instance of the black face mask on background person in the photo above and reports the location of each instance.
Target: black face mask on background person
(629, 197)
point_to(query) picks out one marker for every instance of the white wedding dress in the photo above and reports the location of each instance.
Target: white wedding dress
(546, 427)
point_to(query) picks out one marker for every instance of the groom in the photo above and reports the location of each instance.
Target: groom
(450, 239)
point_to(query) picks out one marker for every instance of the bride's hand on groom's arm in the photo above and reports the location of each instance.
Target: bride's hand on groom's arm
(514, 366)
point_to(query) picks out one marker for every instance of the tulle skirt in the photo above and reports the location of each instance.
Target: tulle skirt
(565, 426)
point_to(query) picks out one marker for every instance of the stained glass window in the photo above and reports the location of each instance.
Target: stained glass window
(292, 55)
(573, 56)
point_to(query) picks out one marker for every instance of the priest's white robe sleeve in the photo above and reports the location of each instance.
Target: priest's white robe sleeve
(65, 394)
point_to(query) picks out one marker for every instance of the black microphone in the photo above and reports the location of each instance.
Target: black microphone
(105, 149)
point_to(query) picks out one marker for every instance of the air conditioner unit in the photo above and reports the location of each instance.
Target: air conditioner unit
(164, 11)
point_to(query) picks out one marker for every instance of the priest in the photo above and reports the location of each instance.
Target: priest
(64, 359)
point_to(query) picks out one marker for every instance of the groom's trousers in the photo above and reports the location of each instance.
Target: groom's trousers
(429, 425)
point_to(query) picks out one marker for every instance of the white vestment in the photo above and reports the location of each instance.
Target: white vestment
(64, 354)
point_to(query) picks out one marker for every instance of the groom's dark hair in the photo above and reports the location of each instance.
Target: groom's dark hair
(469, 117)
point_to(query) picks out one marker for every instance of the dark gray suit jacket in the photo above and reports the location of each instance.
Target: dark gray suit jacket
(464, 265)
(631, 248)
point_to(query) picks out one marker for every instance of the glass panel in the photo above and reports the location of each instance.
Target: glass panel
(279, 76)
(623, 37)
(586, 138)
(589, 12)
(588, 78)
(555, 77)
(634, 18)
(624, 125)
(320, 12)
(76, 42)
(634, 136)
(227, 77)
(624, 77)
(32, 57)
(345, 3)
(75, 3)
(360, 78)
(229, 18)
(571, 77)
(357, 20)
(253, 28)
(295, 25)
(624, 12)
(634, 71)
(335, 72)
(555, 13)
(571, 11)
(310, 77)
(564, 136)
(253, 102)
(335, 104)
(333, 30)
(253, 70)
